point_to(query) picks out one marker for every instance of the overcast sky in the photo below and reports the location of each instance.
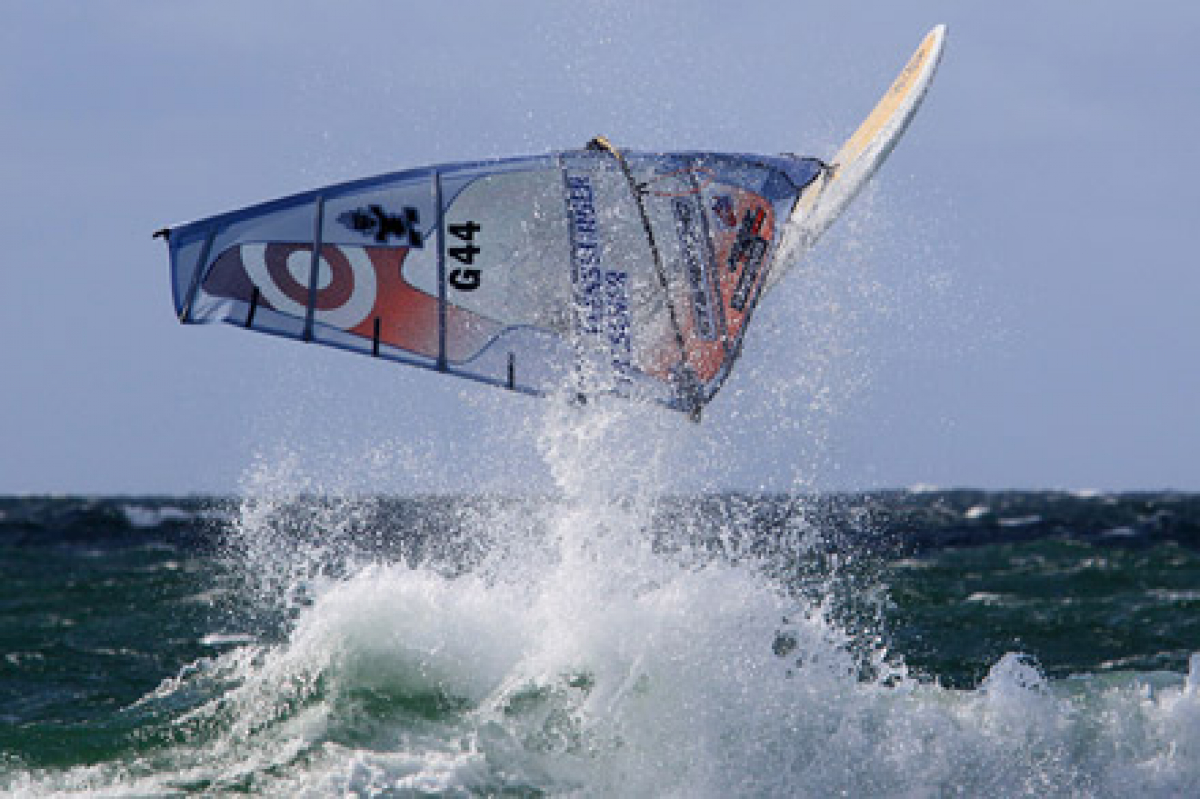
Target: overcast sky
(1014, 302)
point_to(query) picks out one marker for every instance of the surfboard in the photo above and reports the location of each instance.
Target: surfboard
(864, 152)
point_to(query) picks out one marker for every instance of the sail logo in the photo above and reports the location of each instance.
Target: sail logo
(374, 220)
(341, 284)
(694, 266)
(585, 252)
(747, 255)
(722, 207)
(616, 300)
(601, 295)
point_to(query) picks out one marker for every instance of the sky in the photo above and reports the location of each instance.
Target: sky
(1011, 304)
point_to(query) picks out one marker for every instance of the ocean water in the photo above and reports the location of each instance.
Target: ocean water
(601, 643)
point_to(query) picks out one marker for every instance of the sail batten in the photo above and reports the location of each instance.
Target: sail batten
(440, 230)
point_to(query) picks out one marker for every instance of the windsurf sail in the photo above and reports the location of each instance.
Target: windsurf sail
(588, 271)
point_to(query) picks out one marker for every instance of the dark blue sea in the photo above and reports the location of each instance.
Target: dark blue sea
(926, 643)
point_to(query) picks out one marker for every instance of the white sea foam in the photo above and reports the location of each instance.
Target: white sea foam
(977, 512)
(1020, 521)
(671, 685)
(226, 639)
(143, 516)
(578, 660)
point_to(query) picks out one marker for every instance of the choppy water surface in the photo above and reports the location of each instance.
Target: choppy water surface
(889, 644)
